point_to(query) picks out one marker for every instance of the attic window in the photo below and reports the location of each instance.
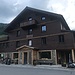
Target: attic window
(18, 33)
(43, 28)
(30, 31)
(62, 27)
(30, 19)
(43, 18)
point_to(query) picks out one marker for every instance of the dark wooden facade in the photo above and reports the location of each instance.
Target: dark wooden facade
(57, 36)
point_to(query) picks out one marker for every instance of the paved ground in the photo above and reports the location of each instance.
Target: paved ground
(54, 67)
(34, 70)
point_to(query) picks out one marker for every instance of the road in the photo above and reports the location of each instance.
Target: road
(4, 70)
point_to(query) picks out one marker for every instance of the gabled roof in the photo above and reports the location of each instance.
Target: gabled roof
(18, 18)
(24, 46)
(27, 47)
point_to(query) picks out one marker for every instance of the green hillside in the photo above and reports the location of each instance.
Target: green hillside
(2, 27)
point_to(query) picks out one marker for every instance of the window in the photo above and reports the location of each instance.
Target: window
(3, 45)
(43, 28)
(20, 55)
(61, 38)
(7, 44)
(30, 19)
(15, 55)
(30, 42)
(43, 18)
(45, 55)
(2, 55)
(43, 40)
(17, 43)
(62, 27)
(0, 45)
(18, 33)
(30, 31)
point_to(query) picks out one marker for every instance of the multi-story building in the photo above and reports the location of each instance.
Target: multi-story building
(38, 35)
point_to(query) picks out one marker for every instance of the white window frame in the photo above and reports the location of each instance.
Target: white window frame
(30, 19)
(43, 18)
(30, 42)
(44, 28)
(45, 51)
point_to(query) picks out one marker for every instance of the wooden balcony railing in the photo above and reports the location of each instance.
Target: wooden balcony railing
(29, 23)
(29, 36)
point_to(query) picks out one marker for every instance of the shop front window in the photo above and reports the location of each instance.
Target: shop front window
(45, 55)
(15, 55)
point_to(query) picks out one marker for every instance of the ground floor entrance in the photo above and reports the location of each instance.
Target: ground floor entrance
(65, 56)
(25, 57)
(30, 55)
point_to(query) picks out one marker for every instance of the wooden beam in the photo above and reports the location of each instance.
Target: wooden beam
(63, 33)
(73, 55)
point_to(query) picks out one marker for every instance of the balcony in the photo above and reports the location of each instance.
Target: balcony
(29, 36)
(4, 37)
(27, 24)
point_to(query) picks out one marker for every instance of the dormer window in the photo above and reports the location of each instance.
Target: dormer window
(43, 18)
(30, 31)
(30, 19)
(62, 27)
(43, 28)
(18, 33)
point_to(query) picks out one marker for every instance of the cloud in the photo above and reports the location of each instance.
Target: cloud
(66, 8)
(41, 4)
(69, 14)
(9, 9)
(6, 10)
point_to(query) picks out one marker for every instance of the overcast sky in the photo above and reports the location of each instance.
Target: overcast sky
(9, 9)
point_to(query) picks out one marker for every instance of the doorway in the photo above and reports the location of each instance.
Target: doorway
(25, 57)
(63, 56)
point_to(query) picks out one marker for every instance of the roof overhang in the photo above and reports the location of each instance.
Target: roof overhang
(27, 47)
(19, 18)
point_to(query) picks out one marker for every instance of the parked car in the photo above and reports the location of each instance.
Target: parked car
(71, 65)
